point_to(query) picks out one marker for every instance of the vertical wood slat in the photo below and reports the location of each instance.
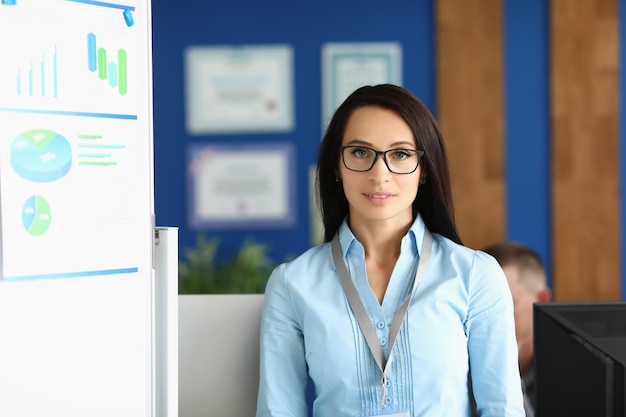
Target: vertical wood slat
(470, 112)
(585, 149)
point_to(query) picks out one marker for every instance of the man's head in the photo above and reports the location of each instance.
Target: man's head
(526, 275)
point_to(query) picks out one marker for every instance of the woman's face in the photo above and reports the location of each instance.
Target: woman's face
(378, 194)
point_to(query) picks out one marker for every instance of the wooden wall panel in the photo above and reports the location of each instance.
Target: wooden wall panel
(585, 149)
(470, 112)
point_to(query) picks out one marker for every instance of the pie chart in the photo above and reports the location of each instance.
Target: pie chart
(41, 155)
(36, 215)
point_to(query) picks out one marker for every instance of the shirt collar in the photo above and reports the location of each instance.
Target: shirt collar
(415, 234)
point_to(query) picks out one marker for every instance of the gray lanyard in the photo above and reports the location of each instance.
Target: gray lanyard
(361, 314)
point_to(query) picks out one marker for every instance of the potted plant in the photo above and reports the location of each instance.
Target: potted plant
(201, 272)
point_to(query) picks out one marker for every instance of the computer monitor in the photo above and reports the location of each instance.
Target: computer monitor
(580, 359)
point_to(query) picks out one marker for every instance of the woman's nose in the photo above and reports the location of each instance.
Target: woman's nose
(379, 171)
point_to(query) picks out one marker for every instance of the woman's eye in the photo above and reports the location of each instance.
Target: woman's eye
(361, 153)
(400, 155)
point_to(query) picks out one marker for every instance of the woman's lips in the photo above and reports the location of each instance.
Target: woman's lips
(378, 198)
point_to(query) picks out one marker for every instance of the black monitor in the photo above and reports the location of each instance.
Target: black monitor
(580, 359)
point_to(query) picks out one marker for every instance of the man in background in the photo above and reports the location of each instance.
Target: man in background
(526, 275)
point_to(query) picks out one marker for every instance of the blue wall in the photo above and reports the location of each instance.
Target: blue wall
(622, 133)
(306, 27)
(527, 110)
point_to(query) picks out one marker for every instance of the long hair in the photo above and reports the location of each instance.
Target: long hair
(434, 199)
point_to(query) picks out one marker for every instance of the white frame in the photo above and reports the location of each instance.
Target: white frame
(241, 186)
(239, 89)
(347, 66)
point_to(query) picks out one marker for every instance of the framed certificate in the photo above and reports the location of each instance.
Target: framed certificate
(347, 66)
(233, 89)
(243, 186)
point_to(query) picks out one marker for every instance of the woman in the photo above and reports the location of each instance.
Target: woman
(391, 315)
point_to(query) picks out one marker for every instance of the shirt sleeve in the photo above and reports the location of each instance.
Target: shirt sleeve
(283, 371)
(491, 341)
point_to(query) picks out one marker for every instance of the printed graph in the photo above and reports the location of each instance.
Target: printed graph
(95, 152)
(41, 155)
(38, 77)
(36, 215)
(114, 72)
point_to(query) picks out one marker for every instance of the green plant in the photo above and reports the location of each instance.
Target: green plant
(201, 272)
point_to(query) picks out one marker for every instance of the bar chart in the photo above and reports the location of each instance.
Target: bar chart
(52, 74)
(39, 76)
(116, 72)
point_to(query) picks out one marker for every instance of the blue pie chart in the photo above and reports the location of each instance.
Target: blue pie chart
(41, 155)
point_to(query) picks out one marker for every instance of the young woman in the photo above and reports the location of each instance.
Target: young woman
(391, 315)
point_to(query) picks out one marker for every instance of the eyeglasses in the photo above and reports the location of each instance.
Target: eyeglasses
(398, 161)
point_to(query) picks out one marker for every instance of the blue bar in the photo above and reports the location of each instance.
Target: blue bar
(30, 80)
(54, 72)
(101, 146)
(43, 75)
(104, 4)
(92, 62)
(78, 274)
(94, 155)
(113, 74)
(70, 113)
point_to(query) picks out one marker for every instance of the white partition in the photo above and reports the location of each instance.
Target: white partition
(218, 354)
(166, 322)
(76, 209)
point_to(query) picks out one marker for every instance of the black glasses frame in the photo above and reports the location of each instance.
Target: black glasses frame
(419, 153)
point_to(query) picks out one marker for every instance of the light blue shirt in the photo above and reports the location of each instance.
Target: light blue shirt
(461, 314)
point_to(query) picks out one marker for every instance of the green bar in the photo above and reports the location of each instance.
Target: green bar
(122, 77)
(102, 63)
(90, 136)
(97, 163)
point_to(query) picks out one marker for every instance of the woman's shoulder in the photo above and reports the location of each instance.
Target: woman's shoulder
(303, 274)
(312, 256)
(479, 272)
(307, 263)
(464, 254)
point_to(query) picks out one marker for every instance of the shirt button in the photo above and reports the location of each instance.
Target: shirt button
(380, 324)
(383, 341)
(387, 383)
(388, 400)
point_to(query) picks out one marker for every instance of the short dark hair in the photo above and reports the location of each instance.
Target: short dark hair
(434, 199)
(529, 263)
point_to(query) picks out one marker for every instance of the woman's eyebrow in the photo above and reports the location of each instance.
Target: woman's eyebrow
(394, 145)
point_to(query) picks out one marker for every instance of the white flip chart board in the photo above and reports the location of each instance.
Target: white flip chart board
(76, 209)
